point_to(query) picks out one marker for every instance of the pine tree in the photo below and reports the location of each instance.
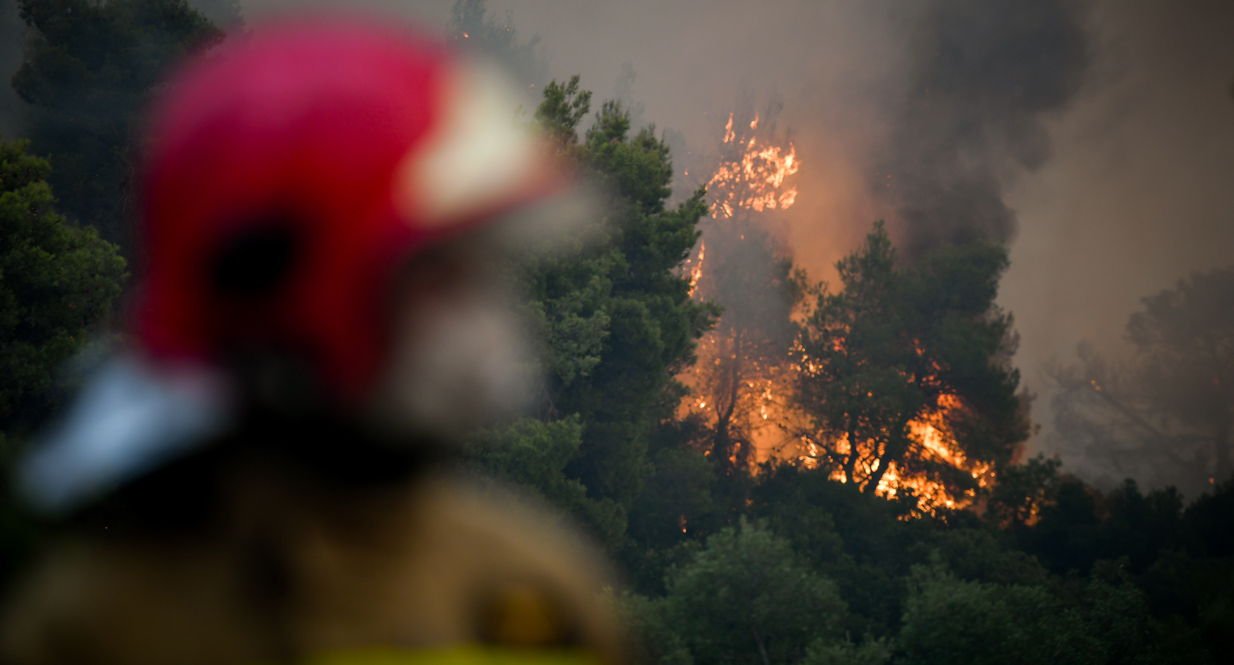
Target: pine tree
(57, 282)
(89, 70)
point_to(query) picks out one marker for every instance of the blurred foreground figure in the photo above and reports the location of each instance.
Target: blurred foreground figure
(318, 323)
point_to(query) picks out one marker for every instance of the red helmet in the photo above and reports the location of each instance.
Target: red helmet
(289, 175)
(288, 178)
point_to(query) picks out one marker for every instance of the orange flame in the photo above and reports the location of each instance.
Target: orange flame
(697, 272)
(734, 385)
(933, 441)
(753, 179)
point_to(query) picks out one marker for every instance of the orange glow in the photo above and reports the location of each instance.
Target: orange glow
(932, 441)
(738, 386)
(744, 391)
(753, 179)
(697, 271)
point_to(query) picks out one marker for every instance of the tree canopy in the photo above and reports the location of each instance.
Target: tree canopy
(57, 282)
(615, 319)
(905, 371)
(1166, 414)
(88, 71)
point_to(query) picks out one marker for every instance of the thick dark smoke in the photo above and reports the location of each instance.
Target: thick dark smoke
(981, 78)
(1136, 197)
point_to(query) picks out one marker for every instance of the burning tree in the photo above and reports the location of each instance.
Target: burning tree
(904, 381)
(752, 171)
(739, 380)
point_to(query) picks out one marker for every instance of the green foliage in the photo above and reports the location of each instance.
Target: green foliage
(57, 281)
(89, 69)
(747, 598)
(533, 454)
(638, 168)
(854, 538)
(563, 107)
(1117, 617)
(947, 620)
(1082, 526)
(616, 324)
(870, 652)
(986, 555)
(1207, 521)
(677, 495)
(1023, 490)
(617, 317)
(1065, 536)
(649, 638)
(893, 346)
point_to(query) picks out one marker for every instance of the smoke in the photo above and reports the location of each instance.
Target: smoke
(1097, 139)
(981, 78)
(475, 29)
(1138, 194)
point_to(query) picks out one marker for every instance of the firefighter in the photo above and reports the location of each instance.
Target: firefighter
(258, 479)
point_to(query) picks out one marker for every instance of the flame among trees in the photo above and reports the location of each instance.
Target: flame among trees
(899, 383)
(739, 382)
(752, 172)
(903, 380)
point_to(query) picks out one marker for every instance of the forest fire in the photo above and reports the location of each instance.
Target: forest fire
(752, 178)
(743, 383)
(697, 271)
(936, 444)
(931, 444)
(792, 430)
(743, 372)
(922, 459)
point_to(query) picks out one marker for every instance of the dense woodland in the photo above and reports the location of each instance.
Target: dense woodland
(978, 555)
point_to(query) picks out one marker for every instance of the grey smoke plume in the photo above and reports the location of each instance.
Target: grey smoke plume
(1131, 190)
(981, 77)
(475, 29)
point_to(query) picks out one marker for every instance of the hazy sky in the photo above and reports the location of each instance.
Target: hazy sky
(1110, 168)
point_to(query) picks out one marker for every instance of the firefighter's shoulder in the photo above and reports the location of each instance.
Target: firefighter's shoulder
(444, 571)
(464, 561)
